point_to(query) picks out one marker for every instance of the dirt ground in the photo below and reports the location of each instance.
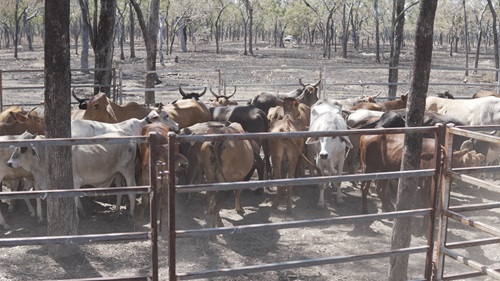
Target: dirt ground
(269, 65)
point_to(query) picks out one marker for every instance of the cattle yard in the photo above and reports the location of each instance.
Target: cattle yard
(335, 243)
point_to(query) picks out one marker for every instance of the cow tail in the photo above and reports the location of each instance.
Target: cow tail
(265, 144)
(382, 142)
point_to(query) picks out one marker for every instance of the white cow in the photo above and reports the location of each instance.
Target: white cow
(7, 173)
(483, 111)
(330, 152)
(133, 126)
(94, 164)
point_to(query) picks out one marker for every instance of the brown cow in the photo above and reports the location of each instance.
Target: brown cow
(30, 122)
(384, 106)
(144, 153)
(286, 150)
(383, 153)
(101, 108)
(187, 112)
(226, 161)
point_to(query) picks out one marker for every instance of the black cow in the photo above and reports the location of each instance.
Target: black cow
(82, 103)
(252, 119)
(265, 100)
(192, 95)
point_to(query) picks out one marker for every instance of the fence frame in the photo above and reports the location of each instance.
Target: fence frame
(447, 212)
(153, 141)
(173, 189)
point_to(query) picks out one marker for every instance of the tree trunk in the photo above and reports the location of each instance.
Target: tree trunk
(466, 33)
(398, 21)
(401, 231)
(183, 35)
(478, 50)
(104, 47)
(84, 59)
(16, 29)
(377, 36)
(62, 216)
(250, 30)
(132, 33)
(495, 37)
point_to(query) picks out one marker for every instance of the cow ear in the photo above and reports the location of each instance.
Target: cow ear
(19, 117)
(111, 113)
(346, 141)
(311, 140)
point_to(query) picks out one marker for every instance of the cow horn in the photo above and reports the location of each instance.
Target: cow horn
(31, 110)
(213, 93)
(301, 95)
(231, 95)
(300, 82)
(182, 92)
(204, 91)
(376, 95)
(74, 95)
(316, 85)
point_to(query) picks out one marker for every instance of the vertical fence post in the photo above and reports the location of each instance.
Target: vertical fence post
(153, 201)
(120, 84)
(113, 70)
(443, 206)
(220, 81)
(1, 90)
(172, 143)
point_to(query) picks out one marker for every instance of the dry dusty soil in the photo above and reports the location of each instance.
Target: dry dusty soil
(268, 66)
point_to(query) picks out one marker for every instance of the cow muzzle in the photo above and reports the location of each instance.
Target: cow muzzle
(323, 155)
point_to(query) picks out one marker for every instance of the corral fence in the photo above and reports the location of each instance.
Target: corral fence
(336, 82)
(151, 235)
(434, 267)
(434, 264)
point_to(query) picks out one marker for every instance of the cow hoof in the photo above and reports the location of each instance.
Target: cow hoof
(259, 191)
(241, 212)
(321, 206)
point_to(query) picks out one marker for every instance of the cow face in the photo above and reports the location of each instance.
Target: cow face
(23, 156)
(34, 123)
(99, 108)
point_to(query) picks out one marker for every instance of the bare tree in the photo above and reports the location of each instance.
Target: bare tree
(249, 9)
(222, 6)
(495, 36)
(150, 34)
(21, 13)
(401, 231)
(377, 32)
(466, 35)
(62, 216)
(398, 21)
(479, 25)
(101, 34)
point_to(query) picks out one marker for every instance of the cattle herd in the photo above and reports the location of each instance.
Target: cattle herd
(228, 160)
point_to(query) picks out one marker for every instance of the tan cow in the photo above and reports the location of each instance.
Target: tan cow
(101, 108)
(286, 150)
(226, 161)
(29, 121)
(222, 100)
(384, 106)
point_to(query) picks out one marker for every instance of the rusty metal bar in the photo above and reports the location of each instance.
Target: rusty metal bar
(472, 223)
(486, 270)
(472, 243)
(465, 275)
(154, 142)
(297, 264)
(172, 141)
(301, 181)
(75, 239)
(132, 278)
(70, 141)
(466, 132)
(475, 207)
(475, 181)
(73, 192)
(477, 169)
(1, 90)
(302, 223)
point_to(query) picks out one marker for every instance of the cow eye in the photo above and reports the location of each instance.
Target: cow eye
(23, 149)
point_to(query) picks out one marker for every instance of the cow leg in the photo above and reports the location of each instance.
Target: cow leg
(365, 187)
(382, 188)
(2, 221)
(338, 185)
(277, 175)
(290, 174)
(322, 187)
(237, 206)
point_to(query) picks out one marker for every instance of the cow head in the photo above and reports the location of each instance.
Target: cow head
(192, 95)
(82, 103)
(366, 98)
(100, 108)
(311, 91)
(34, 123)
(23, 155)
(222, 100)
